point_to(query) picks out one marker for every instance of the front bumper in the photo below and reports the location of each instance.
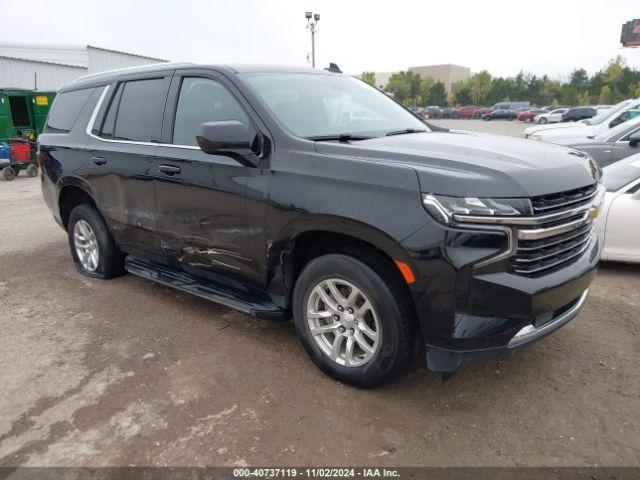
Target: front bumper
(470, 311)
(447, 361)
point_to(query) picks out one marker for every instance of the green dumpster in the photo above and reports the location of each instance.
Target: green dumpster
(23, 113)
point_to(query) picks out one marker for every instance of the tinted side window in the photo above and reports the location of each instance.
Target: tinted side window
(626, 137)
(110, 118)
(203, 100)
(66, 108)
(140, 111)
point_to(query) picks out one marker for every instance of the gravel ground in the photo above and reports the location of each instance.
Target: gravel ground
(128, 372)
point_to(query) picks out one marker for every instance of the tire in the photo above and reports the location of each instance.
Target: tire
(543, 120)
(391, 316)
(8, 173)
(110, 260)
(32, 171)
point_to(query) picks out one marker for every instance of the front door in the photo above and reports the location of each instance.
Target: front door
(200, 197)
(122, 145)
(622, 149)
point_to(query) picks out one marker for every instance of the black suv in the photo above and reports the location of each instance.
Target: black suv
(307, 194)
(578, 113)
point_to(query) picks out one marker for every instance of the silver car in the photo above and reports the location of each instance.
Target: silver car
(615, 144)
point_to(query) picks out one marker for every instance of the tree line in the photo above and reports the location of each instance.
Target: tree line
(613, 83)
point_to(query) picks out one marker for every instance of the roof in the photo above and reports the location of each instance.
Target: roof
(111, 75)
(159, 60)
(266, 68)
(67, 55)
(42, 61)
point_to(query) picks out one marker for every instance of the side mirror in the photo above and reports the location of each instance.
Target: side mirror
(230, 138)
(634, 139)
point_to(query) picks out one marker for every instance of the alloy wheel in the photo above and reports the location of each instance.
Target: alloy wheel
(343, 322)
(86, 243)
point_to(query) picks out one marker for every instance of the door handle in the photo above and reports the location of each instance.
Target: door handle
(98, 160)
(169, 169)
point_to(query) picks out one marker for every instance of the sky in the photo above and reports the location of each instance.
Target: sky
(504, 37)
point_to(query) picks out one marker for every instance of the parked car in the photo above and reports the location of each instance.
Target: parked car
(255, 187)
(554, 116)
(450, 113)
(502, 114)
(619, 224)
(578, 113)
(473, 111)
(527, 116)
(514, 106)
(614, 145)
(434, 111)
(601, 123)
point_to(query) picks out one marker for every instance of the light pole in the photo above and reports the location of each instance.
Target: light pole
(312, 26)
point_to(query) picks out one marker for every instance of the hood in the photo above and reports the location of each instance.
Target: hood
(574, 141)
(474, 164)
(570, 129)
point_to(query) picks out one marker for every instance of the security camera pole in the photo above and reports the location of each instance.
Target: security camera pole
(312, 27)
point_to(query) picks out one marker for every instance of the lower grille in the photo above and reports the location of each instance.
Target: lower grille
(540, 257)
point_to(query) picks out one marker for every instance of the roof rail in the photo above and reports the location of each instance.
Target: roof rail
(142, 68)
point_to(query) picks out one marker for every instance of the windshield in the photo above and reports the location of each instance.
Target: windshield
(613, 133)
(315, 105)
(619, 174)
(605, 114)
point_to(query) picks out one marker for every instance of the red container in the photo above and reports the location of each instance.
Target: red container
(21, 152)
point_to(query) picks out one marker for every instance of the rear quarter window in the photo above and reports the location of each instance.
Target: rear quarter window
(66, 109)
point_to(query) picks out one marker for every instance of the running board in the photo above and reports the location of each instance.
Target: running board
(244, 301)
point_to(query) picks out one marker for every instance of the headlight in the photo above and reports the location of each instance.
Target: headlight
(444, 209)
(536, 137)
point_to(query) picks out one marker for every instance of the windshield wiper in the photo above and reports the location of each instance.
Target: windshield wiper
(404, 131)
(340, 137)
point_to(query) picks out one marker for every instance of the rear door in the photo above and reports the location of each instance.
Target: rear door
(123, 142)
(200, 197)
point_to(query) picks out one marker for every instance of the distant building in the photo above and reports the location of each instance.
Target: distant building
(49, 67)
(447, 74)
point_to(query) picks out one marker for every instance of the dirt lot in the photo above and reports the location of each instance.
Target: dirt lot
(130, 372)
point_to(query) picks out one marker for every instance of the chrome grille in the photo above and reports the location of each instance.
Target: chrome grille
(561, 232)
(560, 201)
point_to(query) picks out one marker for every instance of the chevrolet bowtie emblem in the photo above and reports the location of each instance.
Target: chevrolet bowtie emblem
(594, 211)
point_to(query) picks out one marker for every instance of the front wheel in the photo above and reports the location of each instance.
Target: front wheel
(94, 252)
(353, 319)
(32, 171)
(542, 120)
(8, 173)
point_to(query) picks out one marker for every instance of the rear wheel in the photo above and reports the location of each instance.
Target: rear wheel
(8, 173)
(542, 120)
(353, 319)
(94, 252)
(32, 171)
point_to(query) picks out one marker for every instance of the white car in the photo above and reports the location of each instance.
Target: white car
(618, 225)
(591, 127)
(554, 116)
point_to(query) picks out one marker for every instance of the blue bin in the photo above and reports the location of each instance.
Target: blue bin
(5, 151)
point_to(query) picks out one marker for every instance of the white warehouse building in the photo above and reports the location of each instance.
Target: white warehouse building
(49, 67)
